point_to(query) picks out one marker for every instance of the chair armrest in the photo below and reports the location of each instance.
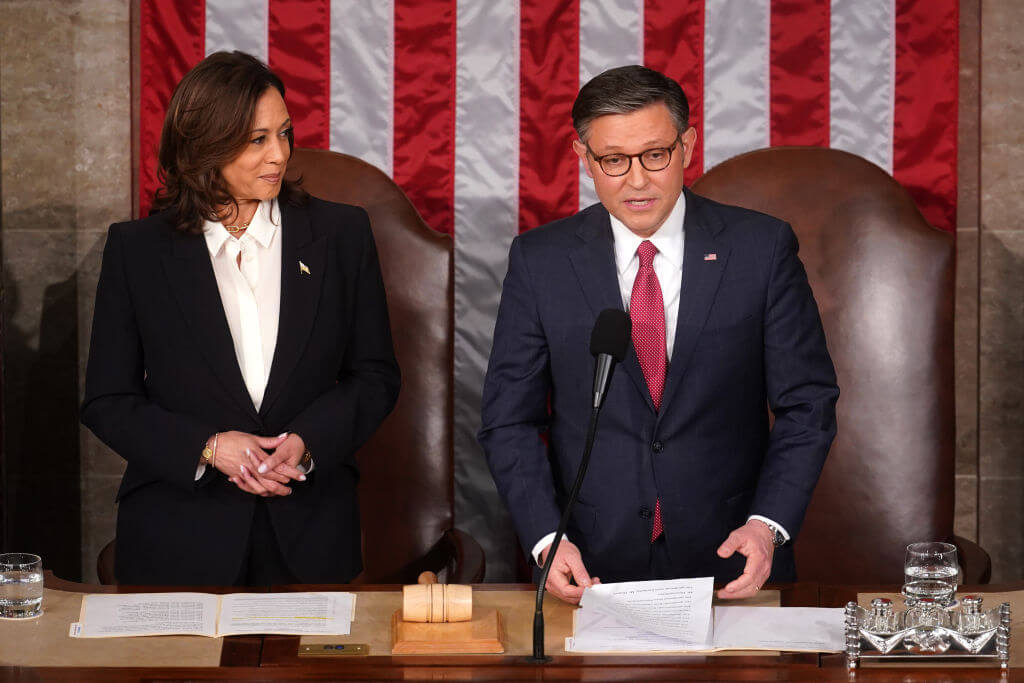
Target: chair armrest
(469, 562)
(974, 561)
(105, 564)
(455, 558)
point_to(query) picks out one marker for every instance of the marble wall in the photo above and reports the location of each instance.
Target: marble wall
(65, 118)
(65, 113)
(1000, 241)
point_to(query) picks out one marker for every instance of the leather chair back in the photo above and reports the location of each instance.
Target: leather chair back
(406, 489)
(884, 282)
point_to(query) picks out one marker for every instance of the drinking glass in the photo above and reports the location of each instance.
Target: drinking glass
(930, 571)
(21, 585)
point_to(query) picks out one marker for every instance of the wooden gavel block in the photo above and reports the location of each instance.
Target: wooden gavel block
(432, 602)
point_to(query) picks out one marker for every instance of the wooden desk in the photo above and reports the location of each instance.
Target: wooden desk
(273, 658)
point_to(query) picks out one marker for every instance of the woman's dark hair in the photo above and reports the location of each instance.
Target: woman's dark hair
(209, 121)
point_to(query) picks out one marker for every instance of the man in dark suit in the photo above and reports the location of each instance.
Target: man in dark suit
(686, 477)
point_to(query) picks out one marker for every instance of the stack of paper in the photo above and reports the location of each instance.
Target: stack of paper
(205, 614)
(676, 615)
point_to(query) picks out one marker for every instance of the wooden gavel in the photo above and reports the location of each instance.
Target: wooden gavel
(433, 602)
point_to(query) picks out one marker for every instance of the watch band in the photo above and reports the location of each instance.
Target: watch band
(777, 537)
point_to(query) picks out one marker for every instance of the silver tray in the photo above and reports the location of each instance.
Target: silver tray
(926, 630)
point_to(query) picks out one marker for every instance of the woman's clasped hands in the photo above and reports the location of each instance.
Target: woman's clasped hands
(260, 465)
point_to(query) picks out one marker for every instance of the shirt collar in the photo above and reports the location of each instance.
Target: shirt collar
(262, 226)
(668, 238)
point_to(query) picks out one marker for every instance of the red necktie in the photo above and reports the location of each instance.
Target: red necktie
(647, 311)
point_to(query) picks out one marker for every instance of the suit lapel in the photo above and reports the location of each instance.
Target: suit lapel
(190, 273)
(593, 260)
(701, 277)
(303, 261)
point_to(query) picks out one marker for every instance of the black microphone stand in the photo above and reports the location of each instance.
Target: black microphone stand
(538, 615)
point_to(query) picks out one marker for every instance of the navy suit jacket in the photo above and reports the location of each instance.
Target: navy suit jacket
(748, 337)
(163, 377)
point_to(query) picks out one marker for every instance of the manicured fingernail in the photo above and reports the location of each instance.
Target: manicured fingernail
(261, 469)
(248, 452)
(282, 434)
(302, 477)
(242, 467)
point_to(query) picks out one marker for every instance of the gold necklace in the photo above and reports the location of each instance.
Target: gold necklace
(237, 228)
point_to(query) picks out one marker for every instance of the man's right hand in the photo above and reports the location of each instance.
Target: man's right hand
(568, 566)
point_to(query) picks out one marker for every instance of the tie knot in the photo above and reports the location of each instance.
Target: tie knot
(646, 253)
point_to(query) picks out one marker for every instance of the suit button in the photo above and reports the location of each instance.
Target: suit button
(645, 513)
(657, 447)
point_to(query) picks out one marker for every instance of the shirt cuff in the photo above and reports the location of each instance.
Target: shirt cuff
(544, 542)
(766, 520)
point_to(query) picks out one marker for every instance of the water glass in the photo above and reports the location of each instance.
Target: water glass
(930, 571)
(21, 585)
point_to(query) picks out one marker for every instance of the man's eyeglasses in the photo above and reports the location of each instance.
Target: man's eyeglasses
(654, 159)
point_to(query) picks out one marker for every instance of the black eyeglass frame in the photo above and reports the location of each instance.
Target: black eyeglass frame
(629, 166)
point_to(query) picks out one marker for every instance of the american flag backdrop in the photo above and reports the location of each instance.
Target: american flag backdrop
(466, 104)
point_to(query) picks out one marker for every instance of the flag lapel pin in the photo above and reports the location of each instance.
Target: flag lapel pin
(711, 257)
(303, 268)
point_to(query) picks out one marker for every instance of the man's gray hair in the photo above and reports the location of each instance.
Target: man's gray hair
(624, 90)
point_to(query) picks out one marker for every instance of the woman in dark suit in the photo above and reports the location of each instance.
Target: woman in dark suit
(241, 352)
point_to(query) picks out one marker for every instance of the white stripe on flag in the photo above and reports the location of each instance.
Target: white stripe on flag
(237, 25)
(736, 53)
(362, 80)
(862, 78)
(486, 220)
(611, 34)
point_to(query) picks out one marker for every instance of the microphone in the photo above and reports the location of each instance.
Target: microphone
(608, 343)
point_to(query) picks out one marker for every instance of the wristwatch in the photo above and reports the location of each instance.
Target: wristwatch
(210, 452)
(777, 537)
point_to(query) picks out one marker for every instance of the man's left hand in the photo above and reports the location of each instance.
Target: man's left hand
(754, 540)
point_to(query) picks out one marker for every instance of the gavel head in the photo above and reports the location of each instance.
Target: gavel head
(437, 603)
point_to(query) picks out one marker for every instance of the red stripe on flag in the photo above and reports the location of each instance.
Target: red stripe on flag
(674, 45)
(549, 78)
(172, 37)
(799, 72)
(299, 51)
(424, 108)
(925, 106)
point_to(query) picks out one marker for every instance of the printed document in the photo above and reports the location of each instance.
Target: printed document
(679, 609)
(205, 614)
(677, 616)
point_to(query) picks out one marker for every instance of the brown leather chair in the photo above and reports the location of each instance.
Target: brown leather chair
(406, 489)
(884, 282)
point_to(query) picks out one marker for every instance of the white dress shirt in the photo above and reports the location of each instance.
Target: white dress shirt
(668, 266)
(250, 292)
